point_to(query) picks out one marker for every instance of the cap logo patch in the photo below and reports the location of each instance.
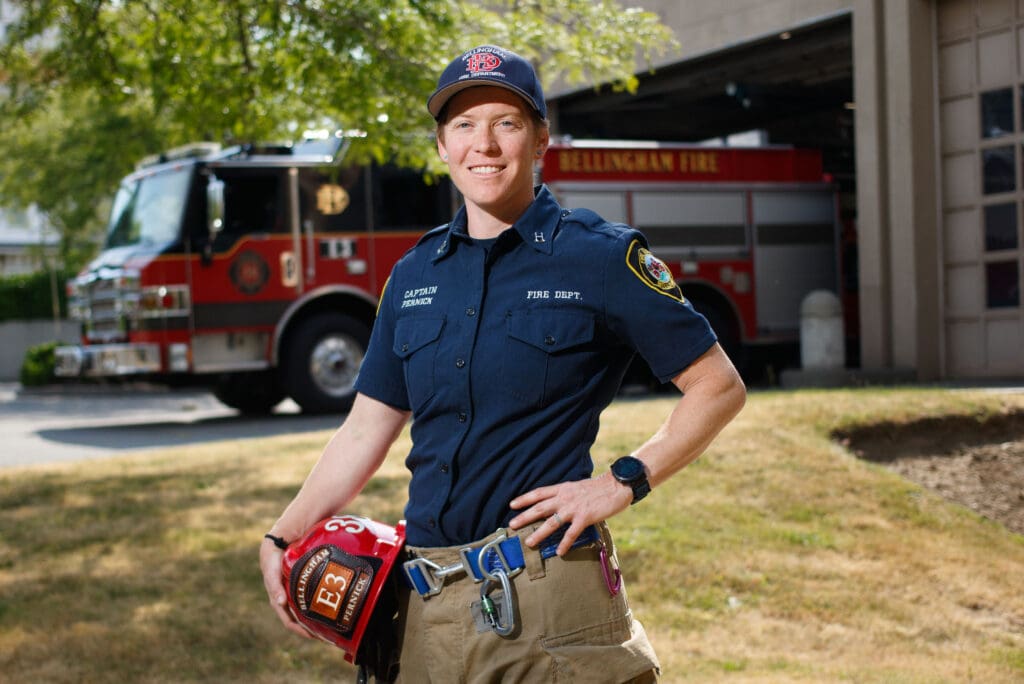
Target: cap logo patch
(482, 61)
(652, 271)
(486, 65)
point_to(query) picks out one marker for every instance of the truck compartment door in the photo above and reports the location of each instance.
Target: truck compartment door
(796, 253)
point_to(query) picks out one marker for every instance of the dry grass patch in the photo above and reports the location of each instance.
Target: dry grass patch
(779, 556)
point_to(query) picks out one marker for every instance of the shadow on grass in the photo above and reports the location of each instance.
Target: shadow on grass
(136, 436)
(150, 577)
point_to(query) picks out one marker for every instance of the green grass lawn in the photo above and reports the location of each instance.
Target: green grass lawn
(776, 557)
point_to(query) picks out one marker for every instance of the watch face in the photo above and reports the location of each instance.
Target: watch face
(628, 468)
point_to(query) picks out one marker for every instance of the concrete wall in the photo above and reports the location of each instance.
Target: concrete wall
(17, 336)
(896, 186)
(701, 26)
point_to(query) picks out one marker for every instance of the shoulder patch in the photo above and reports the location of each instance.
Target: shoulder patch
(652, 271)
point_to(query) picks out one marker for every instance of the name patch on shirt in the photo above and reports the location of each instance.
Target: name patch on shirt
(420, 296)
(652, 271)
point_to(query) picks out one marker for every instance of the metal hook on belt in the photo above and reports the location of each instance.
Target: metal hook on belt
(490, 611)
(611, 572)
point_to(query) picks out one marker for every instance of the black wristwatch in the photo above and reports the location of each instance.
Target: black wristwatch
(630, 471)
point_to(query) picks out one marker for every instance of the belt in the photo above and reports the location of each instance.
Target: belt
(502, 556)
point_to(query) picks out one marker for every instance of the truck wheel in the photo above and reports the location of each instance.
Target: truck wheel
(322, 360)
(249, 393)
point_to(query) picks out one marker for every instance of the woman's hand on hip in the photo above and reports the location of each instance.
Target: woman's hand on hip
(578, 504)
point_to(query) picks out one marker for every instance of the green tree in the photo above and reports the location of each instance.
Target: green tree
(88, 87)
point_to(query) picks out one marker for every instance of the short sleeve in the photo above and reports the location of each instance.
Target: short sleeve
(381, 376)
(646, 309)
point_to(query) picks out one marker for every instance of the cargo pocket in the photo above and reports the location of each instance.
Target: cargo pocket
(545, 353)
(416, 344)
(615, 651)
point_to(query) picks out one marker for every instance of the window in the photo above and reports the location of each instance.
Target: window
(334, 200)
(250, 204)
(405, 201)
(1000, 227)
(997, 113)
(998, 170)
(148, 210)
(1002, 284)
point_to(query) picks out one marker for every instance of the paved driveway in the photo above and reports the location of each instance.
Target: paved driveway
(47, 426)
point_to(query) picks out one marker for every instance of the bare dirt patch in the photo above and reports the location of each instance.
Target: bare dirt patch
(975, 461)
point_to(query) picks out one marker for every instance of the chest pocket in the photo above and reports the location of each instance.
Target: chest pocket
(416, 344)
(547, 353)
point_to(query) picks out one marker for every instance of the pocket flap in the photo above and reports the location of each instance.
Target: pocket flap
(551, 331)
(412, 334)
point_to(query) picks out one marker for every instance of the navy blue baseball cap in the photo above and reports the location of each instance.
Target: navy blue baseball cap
(488, 65)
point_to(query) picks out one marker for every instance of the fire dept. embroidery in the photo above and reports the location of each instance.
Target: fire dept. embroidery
(652, 271)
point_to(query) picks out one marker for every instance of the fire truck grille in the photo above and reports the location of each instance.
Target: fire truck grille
(106, 311)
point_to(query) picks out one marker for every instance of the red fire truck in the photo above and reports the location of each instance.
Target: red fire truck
(747, 232)
(255, 270)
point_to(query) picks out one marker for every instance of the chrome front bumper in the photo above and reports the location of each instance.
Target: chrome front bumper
(106, 360)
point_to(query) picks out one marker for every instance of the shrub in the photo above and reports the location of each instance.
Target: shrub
(37, 368)
(28, 297)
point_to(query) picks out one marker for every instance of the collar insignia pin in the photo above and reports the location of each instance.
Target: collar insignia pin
(538, 237)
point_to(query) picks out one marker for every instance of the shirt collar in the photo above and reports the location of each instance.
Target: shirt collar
(539, 222)
(536, 226)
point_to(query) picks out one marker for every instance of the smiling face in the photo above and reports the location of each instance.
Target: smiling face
(490, 140)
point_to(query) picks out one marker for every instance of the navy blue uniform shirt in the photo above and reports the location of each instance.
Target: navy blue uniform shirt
(507, 351)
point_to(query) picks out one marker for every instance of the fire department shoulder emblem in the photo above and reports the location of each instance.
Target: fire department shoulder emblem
(652, 271)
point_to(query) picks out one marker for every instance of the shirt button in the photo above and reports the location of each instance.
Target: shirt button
(459, 363)
(432, 523)
(405, 347)
(549, 340)
(444, 467)
(463, 417)
(471, 311)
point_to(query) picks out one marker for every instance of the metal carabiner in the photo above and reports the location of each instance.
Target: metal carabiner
(490, 611)
(483, 559)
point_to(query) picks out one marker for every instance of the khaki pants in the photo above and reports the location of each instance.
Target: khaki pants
(569, 628)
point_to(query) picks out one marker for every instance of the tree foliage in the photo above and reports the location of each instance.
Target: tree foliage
(88, 87)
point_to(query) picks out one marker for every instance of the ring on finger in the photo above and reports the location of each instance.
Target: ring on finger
(558, 519)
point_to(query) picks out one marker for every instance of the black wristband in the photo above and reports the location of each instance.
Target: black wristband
(278, 542)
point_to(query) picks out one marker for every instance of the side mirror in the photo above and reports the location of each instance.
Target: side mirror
(214, 206)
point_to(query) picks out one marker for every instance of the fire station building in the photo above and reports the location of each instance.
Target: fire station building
(918, 109)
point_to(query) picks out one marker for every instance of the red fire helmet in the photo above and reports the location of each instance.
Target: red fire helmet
(336, 578)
